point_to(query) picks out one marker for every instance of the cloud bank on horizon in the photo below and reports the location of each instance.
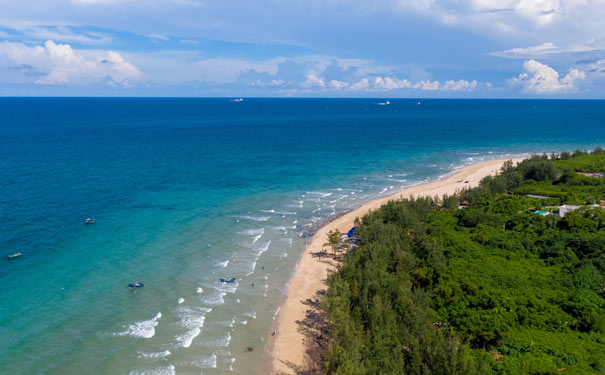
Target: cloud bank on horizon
(352, 48)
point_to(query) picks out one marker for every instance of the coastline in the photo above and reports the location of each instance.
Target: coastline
(285, 352)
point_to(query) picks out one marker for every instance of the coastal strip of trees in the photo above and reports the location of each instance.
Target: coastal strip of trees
(492, 280)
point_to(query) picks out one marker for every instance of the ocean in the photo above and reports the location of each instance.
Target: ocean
(186, 191)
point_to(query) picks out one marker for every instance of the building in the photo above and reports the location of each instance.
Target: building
(567, 208)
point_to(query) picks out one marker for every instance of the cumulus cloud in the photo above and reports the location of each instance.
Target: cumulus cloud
(313, 81)
(60, 64)
(542, 79)
(390, 83)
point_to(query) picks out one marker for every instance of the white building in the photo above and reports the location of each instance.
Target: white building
(567, 208)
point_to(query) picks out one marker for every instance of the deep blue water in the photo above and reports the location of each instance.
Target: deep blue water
(179, 186)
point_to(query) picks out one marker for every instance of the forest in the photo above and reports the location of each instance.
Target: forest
(492, 280)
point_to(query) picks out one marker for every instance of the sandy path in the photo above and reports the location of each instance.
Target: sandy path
(286, 350)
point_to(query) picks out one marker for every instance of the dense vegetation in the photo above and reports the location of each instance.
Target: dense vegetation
(488, 288)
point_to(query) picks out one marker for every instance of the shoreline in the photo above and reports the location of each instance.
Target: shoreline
(285, 352)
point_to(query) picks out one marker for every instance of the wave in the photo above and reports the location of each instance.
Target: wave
(163, 354)
(320, 194)
(276, 312)
(251, 314)
(161, 370)
(264, 248)
(180, 300)
(253, 264)
(205, 362)
(144, 329)
(285, 212)
(199, 290)
(193, 319)
(255, 218)
(215, 299)
(256, 238)
(223, 264)
(253, 232)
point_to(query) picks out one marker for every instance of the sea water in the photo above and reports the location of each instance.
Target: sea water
(186, 191)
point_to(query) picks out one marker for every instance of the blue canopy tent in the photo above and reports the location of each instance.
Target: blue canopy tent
(351, 232)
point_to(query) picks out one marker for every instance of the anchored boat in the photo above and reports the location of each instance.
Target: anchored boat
(13, 256)
(229, 280)
(136, 285)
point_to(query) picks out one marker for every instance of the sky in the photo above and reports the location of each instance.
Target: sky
(303, 48)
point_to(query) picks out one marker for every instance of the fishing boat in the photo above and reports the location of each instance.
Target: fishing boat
(136, 285)
(13, 256)
(89, 221)
(229, 280)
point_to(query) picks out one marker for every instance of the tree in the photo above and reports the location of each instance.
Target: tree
(334, 241)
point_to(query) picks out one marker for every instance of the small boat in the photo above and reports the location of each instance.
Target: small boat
(136, 285)
(89, 221)
(418, 103)
(13, 256)
(229, 280)
(237, 100)
(386, 102)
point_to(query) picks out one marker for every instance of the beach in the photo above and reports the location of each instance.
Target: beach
(285, 351)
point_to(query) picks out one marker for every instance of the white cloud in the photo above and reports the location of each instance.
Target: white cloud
(459, 85)
(542, 79)
(60, 64)
(313, 81)
(550, 48)
(362, 84)
(65, 34)
(338, 85)
(389, 83)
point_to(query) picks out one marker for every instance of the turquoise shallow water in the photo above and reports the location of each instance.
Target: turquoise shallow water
(186, 191)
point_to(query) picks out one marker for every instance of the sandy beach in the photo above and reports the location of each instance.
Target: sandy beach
(285, 351)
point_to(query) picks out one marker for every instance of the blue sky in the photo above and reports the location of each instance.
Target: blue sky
(311, 48)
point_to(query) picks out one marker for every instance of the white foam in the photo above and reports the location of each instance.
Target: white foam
(224, 341)
(181, 300)
(223, 264)
(160, 370)
(253, 232)
(264, 248)
(383, 190)
(215, 299)
(205, 362)
(256, 218)
(251, 314)
(193, 319)
(257, 238)
(199, 290)
(231, 361)
(285, 212)
(227, 323)
(319, 194)
(253, 264)
(163, 354)
(144, 329)
(268, 211)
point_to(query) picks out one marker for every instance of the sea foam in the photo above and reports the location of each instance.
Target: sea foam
(144, 329)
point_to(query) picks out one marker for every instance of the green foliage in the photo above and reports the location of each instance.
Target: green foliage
(491, 288)
(334, 241)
